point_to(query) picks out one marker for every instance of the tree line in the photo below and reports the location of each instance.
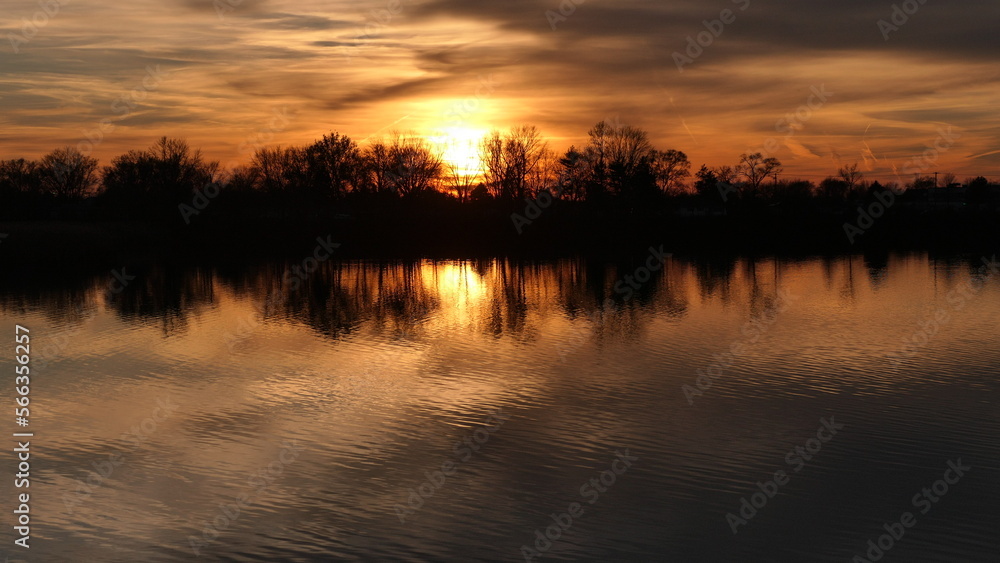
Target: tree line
(618, 166)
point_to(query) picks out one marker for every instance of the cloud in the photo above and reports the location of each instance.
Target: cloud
(355, 68)
(294, 22)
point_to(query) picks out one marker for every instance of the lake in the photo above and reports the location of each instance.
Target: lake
(644, 409)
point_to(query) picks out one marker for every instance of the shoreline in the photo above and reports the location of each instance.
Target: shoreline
(480, 235)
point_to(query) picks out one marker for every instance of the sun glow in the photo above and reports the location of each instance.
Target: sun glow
(459, 148)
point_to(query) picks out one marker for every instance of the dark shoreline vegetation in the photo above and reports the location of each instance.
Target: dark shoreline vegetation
(396, 197)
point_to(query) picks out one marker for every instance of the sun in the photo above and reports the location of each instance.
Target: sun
(459, 148)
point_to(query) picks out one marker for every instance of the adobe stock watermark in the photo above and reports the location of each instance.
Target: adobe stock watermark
(264, 135)
(292, 280)
(459, 111)
(199, 201)
(463, 451)
(534, 207)
(204, 196)
(373, 370)
(924, 501)
(566, 9)
(456, 116)
(57, 343)
(371, 28)
(900, 16)
(47, 9)
(131, 441)
(796, 459)
(122, 108)
(590, 491)
(790, 125)
(626, 288)
(259, 483)
(795, 121)
(943, 143)
(118, 282)
(577, 338)
(867, 216)
(223, 7)
(752, 330)
(52, 350)
(697, 44)
(957, 300)
(887, 198)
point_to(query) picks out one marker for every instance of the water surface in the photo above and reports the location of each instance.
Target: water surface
(234, 415)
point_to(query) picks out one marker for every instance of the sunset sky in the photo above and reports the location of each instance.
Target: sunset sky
(234, 74)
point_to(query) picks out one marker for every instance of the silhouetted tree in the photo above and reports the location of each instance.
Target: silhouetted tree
(851, 176)
(707, 183)
(334, 166)
(512, 161)
(755, 168)
(574, 175)
(617, 169)
(266, 163)
(480, 194)
(68, 174)
(671, 168)
(20, 188)
(420, 168)
(461, 184)
(402, 165)
(20, 175)
(160, 177)
(795, 191)
(620, 158)
(242, 179)
(726, 174)
(834, 189)
(922, 183)
(977, 190)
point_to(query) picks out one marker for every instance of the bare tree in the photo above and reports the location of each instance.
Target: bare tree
(755, 168)
(513, 162)
(922, 183)
(179, 169)
(267, 165)
(619, 156)
(419, 167)
(243, 178)
(545, 175)
(403, 165)
(377, 167)
(20, 175)
(278, 169)
(333, 165)
(725, 174)
(67, 173)
(671, 168)
(851, 176)
(495, 165)
(461, 184)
